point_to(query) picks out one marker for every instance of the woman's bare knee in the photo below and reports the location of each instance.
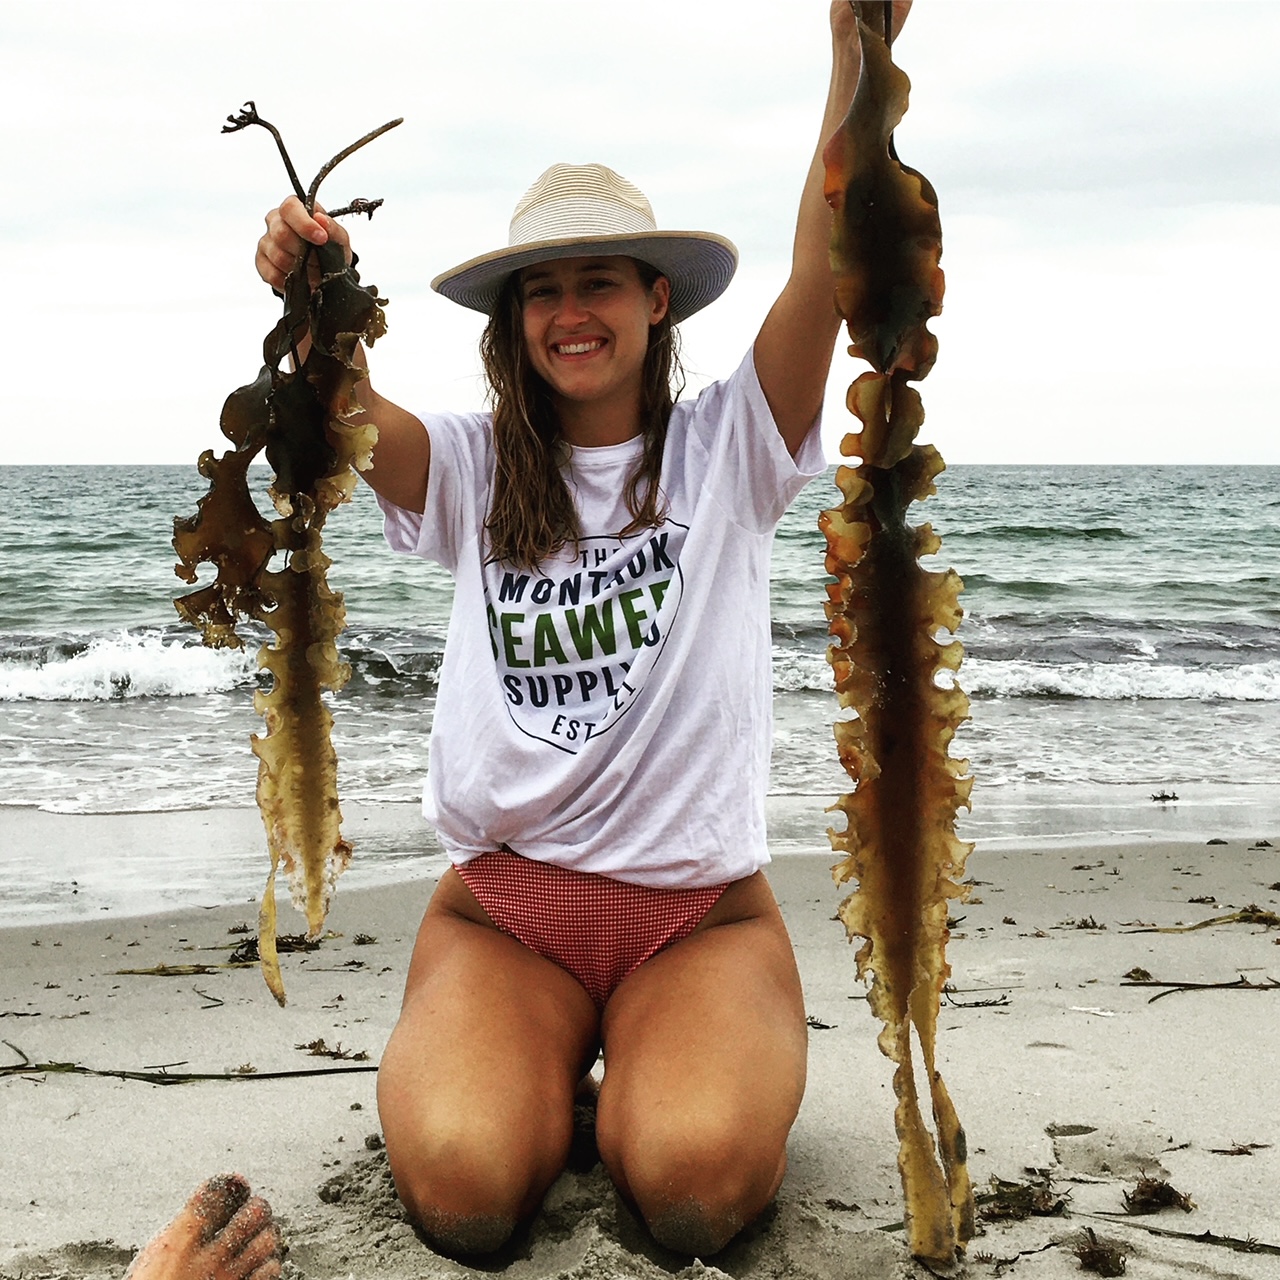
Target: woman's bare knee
(705, 1068)
(441, 1182)
(696, 1183)
(477, 1109)
(464, 1235)
(460, 1187)
(695, 1228)
(468, 1174)
(700, 1216)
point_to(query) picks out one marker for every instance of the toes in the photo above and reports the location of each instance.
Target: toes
(216, 1202)
(251, 1219)
(177, 1250)
(268, 1271)
(264, 1248)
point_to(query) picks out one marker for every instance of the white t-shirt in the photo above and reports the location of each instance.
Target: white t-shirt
(611, 711)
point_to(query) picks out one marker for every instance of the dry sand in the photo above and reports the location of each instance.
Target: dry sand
(1054, 1063)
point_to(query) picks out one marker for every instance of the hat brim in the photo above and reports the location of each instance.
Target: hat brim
(698, 264)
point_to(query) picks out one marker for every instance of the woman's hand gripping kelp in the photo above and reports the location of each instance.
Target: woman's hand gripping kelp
(303, 413)
(401, 455)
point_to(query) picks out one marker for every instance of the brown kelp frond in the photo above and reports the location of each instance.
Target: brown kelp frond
(885, 613)
(307, 420)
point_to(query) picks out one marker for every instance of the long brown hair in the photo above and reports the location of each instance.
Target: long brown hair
(532, 515)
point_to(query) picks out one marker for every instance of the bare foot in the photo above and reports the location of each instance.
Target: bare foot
(222, 1233)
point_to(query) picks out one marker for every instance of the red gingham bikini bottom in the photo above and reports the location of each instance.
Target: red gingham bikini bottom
(596, 928)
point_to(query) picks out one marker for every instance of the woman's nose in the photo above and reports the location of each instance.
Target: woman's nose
(572, 308)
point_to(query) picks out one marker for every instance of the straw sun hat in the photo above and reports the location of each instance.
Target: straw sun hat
(578, 209)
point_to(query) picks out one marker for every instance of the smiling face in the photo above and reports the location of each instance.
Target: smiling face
(586, 330)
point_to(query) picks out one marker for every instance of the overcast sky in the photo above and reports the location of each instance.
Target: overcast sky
(1108, 174)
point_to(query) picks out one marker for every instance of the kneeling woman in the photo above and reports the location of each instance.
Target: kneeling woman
(600, 747)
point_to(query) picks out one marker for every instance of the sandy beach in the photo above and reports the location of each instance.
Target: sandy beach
(1056, 1064)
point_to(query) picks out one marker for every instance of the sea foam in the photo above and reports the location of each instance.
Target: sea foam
(795, 672)
(1249, 682)
(127, 664)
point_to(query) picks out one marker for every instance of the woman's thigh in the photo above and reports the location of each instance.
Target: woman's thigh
(476, 1087)
(705, 1048)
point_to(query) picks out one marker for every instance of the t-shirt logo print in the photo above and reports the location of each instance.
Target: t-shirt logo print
(573, 642)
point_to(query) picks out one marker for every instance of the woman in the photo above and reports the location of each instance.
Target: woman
(600, 747)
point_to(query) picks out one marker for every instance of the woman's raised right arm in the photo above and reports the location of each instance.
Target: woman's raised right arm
(402, 456)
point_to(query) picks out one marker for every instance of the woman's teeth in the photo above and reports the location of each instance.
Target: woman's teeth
(578, 348)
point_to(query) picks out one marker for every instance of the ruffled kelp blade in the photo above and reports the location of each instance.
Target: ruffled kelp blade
(885, 613)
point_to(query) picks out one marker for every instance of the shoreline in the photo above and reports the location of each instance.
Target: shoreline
(1040, 1037)
(64, 867)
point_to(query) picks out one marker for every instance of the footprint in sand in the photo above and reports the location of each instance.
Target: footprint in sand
(1122, 1151)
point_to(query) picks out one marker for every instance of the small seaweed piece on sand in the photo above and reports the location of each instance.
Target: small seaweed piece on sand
(1017, 1201)
(1240, 1149)
(1240, 984)
(1237, 1244)
(996, 1002)
(318, 1049)
(247, 951)
(1153, 1194)
(1138, 974)
(1252, 914)
(1102, 1257)
(161, 1076)
(1087, 922)
(171, 971)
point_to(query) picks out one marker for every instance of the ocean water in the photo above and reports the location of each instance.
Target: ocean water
(1122, 635)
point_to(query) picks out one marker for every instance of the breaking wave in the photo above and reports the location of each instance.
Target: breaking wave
(126, 664)
(796, 672)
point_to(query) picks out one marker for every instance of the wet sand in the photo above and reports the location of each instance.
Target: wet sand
(1055, 1064)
